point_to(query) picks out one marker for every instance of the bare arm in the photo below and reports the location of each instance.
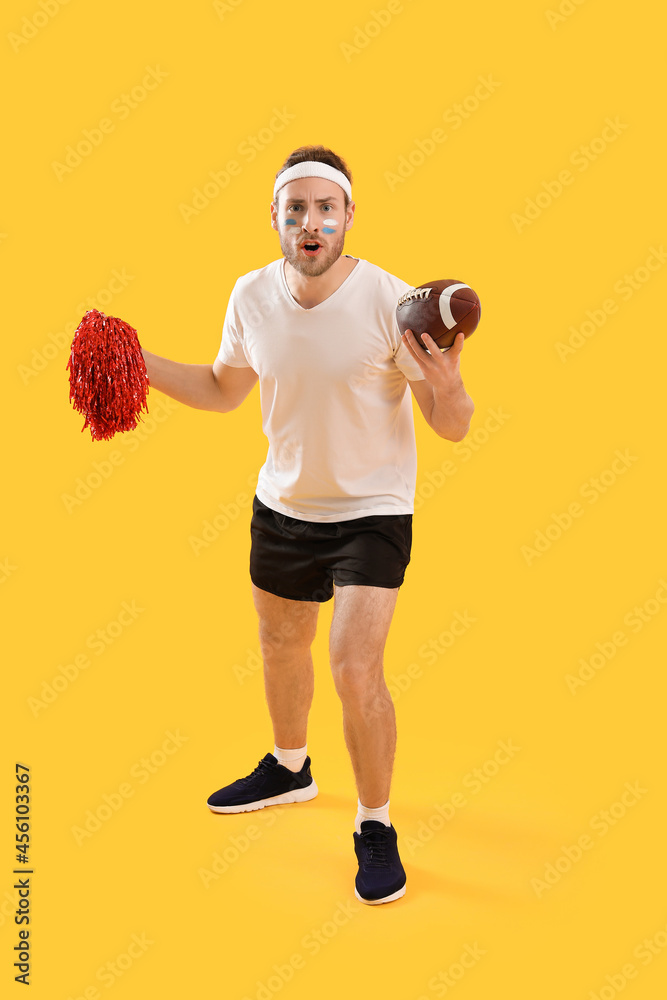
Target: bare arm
(447, 412)
(217, 387)
(441, 395)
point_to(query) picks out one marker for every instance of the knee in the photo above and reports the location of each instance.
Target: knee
(359, 684)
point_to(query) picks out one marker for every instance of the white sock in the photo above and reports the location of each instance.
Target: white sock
(381, 814)
(291, 759)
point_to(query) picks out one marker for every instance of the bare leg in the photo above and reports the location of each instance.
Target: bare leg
(286, 633)
(361, 620)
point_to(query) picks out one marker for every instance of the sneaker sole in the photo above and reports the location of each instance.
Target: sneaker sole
(296, 795)
(385, 899)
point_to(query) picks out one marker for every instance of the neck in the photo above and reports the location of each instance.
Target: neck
(310, 290)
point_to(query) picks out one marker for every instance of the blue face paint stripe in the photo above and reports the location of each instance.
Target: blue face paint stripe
(325, 230)
(289, 222)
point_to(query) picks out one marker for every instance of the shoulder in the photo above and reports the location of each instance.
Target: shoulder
(256, 281)
(383, 281)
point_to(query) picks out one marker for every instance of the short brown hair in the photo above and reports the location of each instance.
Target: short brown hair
(322, 155)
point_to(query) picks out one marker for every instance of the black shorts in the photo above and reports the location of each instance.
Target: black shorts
(301, 560)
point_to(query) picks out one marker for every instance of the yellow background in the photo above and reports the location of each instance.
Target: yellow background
(178, 665)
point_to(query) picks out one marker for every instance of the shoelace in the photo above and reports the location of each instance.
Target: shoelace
(375, 842)
(264, 765)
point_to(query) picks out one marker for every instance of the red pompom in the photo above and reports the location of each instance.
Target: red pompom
(108, 382)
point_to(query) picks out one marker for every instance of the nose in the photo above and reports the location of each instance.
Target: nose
(309, 221)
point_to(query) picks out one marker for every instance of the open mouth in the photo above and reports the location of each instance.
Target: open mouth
(311, 249)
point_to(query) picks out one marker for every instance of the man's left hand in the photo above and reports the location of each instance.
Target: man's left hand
(440, 368)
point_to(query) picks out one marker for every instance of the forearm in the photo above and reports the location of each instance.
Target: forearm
(452, 411)
(194, 385)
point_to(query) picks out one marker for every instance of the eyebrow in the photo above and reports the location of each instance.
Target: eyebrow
(294, 201)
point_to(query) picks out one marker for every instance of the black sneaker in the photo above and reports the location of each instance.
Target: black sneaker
(381, 876)
(270, 784)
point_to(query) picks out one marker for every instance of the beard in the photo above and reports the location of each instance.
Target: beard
(311, 267)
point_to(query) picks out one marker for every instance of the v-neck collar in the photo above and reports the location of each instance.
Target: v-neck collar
(328, 298)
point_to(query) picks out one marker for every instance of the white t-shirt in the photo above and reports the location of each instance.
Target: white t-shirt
(336, 406)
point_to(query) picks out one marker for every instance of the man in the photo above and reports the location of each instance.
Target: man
(332, 515)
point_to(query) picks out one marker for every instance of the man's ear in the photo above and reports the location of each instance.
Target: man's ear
(349, 215)
(274, 215)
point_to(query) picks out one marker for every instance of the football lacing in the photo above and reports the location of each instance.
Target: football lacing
(414, 293)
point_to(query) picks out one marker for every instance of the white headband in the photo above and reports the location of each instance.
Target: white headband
(313, 168)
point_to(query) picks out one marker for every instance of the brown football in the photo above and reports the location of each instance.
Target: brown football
(440, 308)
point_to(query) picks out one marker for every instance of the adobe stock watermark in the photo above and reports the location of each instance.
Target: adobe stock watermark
(224, 7)
(430, 652)
(32, 25)
(227, 514)
(111, 971)
(311, 944)
(364, 34)
(247, 152)
(591, 491)
(255, 315)
(601, 823)
(474, 441)
(564, 11)
(141, 771)
(398, 684)
(254, 663)
(445, 980)
(121, 107)
(61, 341)
(605, 651)
(473, 782)
(454, 117)
(645, 952)
(98, 642)
(625, 288)
(86, 486)
(7, 569)
(263, 308)
(238, 845)
(581, 158)
(8, 907)
(382, 364)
